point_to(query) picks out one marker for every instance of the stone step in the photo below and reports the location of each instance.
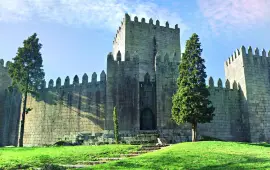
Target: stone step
(155, 146)
(150, 146)
(85, 164)
(140, 152)
(76, 166)
(91, 162)
(129, 155)
(110, 159)
(150, 149)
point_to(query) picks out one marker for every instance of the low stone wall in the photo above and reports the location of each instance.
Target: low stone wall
(171, 136)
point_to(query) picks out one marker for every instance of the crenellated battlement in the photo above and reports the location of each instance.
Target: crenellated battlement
(118, 58)
(238, 53)
(3, 64)
(166, 58)
(76, 82)
(150, 22)
(248, 54)
(159, 58)
(228, 85)
(141, 23)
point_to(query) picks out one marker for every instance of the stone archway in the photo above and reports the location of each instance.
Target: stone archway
(147, 120)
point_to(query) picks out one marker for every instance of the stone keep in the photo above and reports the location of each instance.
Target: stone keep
(142, 71)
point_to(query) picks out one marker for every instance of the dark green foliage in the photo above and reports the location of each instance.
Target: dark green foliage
(116, 126)
(27, 74)
(191, 103)
(28, 110)
(26, 69)
(63, 143)
(208, 138)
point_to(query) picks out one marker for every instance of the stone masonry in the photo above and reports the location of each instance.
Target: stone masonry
(141, 78)
(10, 102)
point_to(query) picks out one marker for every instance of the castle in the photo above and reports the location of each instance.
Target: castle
(141, 78)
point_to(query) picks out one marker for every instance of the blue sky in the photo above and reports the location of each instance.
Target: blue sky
(77, 35)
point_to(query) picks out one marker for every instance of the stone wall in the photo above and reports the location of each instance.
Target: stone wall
(119, 41)
(4, 83)
(252, 75)
(166, 85)
(64, 112)
(11, 119)
(133, 96)
(235, 73)
(9, 109)
(258, 94)
(227, 123)
(122, 92)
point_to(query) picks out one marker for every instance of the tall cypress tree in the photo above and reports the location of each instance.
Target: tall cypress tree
(27, 74)
(116, 125)
(190, 102)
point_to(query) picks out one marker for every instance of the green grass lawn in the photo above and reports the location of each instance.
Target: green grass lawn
(199, 155)
(38, 156)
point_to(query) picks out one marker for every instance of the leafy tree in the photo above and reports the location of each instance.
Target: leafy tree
(116, 127)
(27, 74)
(190, 102)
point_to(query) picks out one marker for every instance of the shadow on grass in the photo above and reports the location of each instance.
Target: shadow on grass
(208, 138)
(256, 144)
(150, 163)
(191, 162)
(155, 162)
(260, 144)
(258, 163)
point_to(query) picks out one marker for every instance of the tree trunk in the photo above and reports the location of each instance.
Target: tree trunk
(23, 114)
(194, 132)
(23, 120)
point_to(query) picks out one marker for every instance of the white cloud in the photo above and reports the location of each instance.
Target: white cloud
(91, 13)
(225, 14)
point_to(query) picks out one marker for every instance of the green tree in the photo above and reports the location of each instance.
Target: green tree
(190, 102)
(115, 122)
(27, 74)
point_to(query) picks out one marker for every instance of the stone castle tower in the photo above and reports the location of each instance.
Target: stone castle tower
(251, 73)
(141, 78)
(142, 73)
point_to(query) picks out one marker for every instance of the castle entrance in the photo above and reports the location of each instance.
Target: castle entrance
(147, 120)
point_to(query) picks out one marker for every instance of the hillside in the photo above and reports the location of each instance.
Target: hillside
(199, 155)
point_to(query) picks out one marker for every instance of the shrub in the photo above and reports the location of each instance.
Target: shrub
(209, 138)
(115, 122)
(63, 143)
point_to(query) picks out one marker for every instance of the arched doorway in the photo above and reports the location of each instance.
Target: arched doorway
(147, 120)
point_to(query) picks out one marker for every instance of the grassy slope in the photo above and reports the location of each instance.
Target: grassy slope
(199, 155)
(35, 157)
